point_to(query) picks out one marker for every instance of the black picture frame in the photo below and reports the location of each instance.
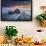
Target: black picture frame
(3, 18)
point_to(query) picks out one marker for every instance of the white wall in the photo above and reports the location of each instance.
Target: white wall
(26, 27)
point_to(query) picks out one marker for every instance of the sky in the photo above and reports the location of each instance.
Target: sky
(6, 3)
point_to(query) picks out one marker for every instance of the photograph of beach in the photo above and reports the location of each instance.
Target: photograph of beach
(15, 10)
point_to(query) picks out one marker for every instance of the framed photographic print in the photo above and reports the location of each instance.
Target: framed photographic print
(16, 10)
